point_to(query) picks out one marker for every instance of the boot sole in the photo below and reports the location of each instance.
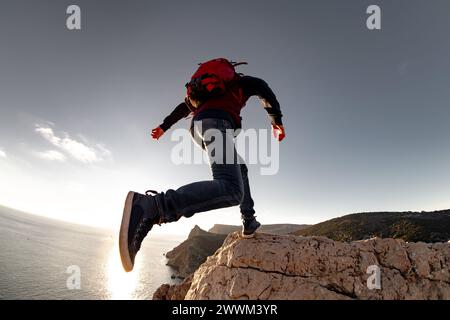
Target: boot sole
(123, 234)
(249, 236)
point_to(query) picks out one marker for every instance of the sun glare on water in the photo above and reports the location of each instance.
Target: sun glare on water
(121, 285)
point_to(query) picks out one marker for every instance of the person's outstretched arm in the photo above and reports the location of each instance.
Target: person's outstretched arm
(252, 86)
(180, 111)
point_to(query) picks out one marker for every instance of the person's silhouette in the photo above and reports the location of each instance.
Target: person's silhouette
(215, 96)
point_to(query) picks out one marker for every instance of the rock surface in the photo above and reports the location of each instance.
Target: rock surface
(292, 267)
(173, 292)
(200, 244)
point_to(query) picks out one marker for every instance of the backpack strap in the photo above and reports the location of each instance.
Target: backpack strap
(235, 90)
(235, 64)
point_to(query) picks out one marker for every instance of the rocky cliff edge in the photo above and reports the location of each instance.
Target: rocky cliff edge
(292, 267)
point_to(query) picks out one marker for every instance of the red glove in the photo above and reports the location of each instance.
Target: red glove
(278, 131)
(157, 133)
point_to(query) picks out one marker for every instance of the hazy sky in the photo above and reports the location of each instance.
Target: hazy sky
(366, 112)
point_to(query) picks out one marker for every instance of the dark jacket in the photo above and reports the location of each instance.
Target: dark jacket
(226, 107)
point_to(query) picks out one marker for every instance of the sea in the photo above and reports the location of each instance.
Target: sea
(45, 259)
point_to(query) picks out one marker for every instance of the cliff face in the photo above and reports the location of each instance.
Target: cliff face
(292, 267)
(173, 292)
(191, 253)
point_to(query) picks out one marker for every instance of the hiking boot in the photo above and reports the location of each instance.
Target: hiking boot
(139, 215)
(249, 226)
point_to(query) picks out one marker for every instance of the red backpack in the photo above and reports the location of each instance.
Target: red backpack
(212, 79)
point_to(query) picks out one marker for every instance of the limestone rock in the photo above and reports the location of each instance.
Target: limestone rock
(292, 267)
(192, 252)
(173, 292)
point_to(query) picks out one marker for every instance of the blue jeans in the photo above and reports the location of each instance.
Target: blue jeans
(229, 186)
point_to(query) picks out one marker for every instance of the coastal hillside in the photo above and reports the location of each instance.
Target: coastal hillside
(283, 228)
(191, 253)
(410, 226)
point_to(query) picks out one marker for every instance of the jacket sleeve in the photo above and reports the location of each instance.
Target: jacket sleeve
(252, 86)
(180, 111)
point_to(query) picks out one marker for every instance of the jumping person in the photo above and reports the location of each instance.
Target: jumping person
(215, 96)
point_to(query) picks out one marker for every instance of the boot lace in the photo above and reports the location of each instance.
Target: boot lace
(141, 231)
(143, 227)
